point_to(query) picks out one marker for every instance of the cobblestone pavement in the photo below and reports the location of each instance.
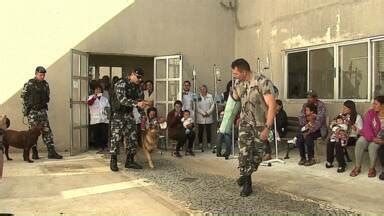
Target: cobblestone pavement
(219, 195)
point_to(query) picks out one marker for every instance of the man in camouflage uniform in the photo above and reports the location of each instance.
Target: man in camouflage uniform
(258, 109)
(127, 94)
(35, 95)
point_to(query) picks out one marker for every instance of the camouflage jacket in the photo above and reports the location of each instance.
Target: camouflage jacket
(127, 95)
(35, 95)
(251, 94)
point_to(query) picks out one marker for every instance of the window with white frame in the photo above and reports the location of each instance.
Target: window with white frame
(378, 68)
(338, 71)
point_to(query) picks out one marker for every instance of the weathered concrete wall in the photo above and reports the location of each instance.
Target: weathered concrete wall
(270, 26)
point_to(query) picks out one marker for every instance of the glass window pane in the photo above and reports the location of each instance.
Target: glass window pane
(76, 115)
(76, 141)
(104, 71)
(76, 64)
(321, 72)
(160, 91)
(161, 68)
(174, 68)
(297, 74)
(161, 112)
(117, 71)
(83, 66)
(379, 68)
(353, 82)
(173, 91)
(76, 89)
(84, 89)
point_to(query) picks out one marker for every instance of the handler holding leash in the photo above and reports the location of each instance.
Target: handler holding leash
(258, 109)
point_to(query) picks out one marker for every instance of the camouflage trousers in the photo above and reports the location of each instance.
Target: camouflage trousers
(251, 148)
(36, 117)
(123, 125)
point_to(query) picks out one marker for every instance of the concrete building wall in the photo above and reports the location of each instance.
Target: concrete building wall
(271, 26)
(42, 33)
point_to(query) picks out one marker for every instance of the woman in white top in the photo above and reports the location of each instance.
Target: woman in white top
(98, 106)
(355, 124)
(149, 95)
(204, 116)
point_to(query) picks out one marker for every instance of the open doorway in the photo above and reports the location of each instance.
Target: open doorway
(106, 69)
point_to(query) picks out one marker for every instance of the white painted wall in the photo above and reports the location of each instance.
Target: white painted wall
(41, 32)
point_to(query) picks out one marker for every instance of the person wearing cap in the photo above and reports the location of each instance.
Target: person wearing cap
(35, 97)
(123, 125)
(319, 129)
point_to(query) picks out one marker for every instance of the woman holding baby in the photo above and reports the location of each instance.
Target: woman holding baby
(344, 130)
(372, 136)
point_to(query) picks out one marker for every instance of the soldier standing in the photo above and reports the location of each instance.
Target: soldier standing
(127, 94)
(258, 109)
(35, 96)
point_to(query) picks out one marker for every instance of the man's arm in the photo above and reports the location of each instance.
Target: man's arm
(302, 118)
(25, 94)
(271, 108)
(321, 112)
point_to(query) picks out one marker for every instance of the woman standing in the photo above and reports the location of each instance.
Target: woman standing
(205, 107)
(370, 137)
(98, 105)
(355, 123)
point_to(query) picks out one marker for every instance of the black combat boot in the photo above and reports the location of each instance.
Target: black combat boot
(113, 163)
(35, 153)
(52, 154)
(130, 163)
(240, 181)
(247, 187)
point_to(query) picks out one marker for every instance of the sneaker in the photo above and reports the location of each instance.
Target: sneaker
(292, 141)
(381, 176)
(302, 161)
(341, 169)
(177, 154)
(328, 165)
(310, 162)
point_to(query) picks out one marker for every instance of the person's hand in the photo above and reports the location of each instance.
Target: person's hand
(141, 104)
(264, 134)
(378, 141)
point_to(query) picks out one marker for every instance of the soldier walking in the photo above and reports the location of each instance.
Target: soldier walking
(127, 94)
(258, 109)
(35, 96)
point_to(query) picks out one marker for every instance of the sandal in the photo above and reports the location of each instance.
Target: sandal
(355, 172)
(371, 172)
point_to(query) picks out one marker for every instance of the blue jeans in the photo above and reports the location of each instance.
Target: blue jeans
(227, 140)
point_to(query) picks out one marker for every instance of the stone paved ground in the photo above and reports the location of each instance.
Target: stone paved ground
(214, 194)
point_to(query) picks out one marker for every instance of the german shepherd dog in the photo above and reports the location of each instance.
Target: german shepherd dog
(23, 140)
(149, 142)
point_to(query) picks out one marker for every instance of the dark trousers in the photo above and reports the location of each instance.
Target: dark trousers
(335, 149)
(380, 154)
(100, 134)
(180, 139)
(307, 143)
(207, 130)
(190, 138)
